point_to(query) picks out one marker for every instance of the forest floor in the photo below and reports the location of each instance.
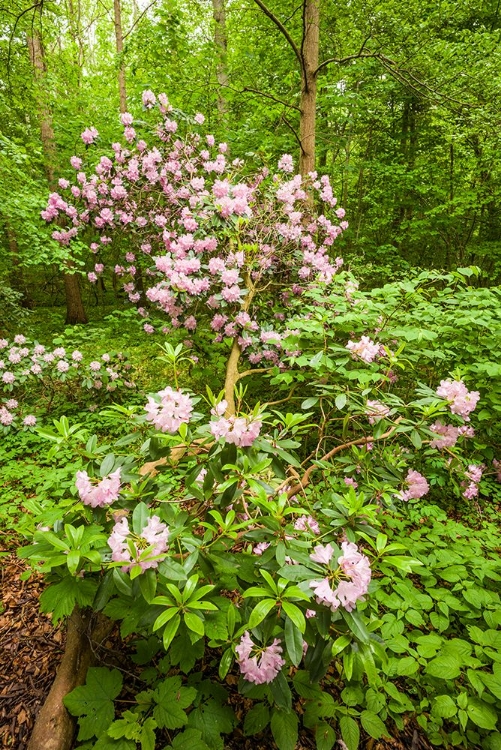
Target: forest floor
(32, 649)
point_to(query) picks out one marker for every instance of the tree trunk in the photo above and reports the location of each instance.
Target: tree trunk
(221, 43)
(308, 105)
(75, 312)
(117, 18)
(16, 273)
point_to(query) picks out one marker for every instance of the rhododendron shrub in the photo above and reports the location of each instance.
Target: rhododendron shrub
(32, 376)
(214, 245)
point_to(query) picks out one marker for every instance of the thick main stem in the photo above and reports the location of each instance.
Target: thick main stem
(308, 105)
(232, 377)
(221, 44)
(119, 41)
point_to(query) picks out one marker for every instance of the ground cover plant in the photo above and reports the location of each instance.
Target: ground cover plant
(304, 506)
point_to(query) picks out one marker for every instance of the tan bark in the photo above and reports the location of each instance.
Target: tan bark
(221, 43)
(308, 105)
(54, 728)
(119, 41)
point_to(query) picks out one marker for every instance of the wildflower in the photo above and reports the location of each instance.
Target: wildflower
(266, 663)
(101, 494)
(286, 163)
(30, 420)
(89, 136)
(307, 523)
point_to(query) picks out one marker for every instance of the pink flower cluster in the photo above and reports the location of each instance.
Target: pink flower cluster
(99, 495)
(472, 479)
(266, 663)
(416, 486)
(174, 409)
(376, 411)
(128, 548)
(449, 434)
(352, 577)
(461, 401)
(176, 200)
(239, 431)
(307, 523)
(365, 349)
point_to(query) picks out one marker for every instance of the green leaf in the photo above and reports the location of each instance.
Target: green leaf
(293, 642)
(256, 719)
(171, 699)
(284, 728)
(260, 611)
(444, 706)
(373, 725)
(148, 585)
(340, 401)
(93, 702)
(140, 517)
(190, 739)
(446, 666)
(481, 713)
(349, 732)
(194, 623)
(225, 663)
(60, 598)
(170, 631)
(325, 736)
(295, 614)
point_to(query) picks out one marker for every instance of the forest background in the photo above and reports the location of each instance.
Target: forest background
(399, 105)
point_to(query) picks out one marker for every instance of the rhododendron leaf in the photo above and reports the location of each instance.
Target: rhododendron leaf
(170, 631)
(260, 611)
(194, 623)
(293, 642)
(294, 613)
(164, 617)
(107, 465)
(122, 582)
(225, 663)
(148, 585)
(356, 625)
(140, 517)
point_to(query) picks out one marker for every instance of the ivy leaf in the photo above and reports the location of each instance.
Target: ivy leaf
(94, 701)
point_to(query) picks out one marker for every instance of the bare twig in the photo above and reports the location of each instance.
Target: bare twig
(282, 30)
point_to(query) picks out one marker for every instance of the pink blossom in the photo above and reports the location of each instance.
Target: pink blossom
(365, 349)
(266, 663)
(30, 420)
(376, 411)
(307, 523)
(11, 403)
(353, 577)
(199, 118)
(260, 548)
(89, 136)
(101, 494)
(417, 486)
(461, 401)
(286, 163)
(173, 410)
(236, 430)
(76, 162)
(148, 328)
(149, 99)
(129, 548)
(448, 435)
(349, 482)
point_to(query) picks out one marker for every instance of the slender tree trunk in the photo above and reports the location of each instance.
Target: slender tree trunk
(221, 43)
(308, 104)
(16, 273)
(75, 312)
(117, 17)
